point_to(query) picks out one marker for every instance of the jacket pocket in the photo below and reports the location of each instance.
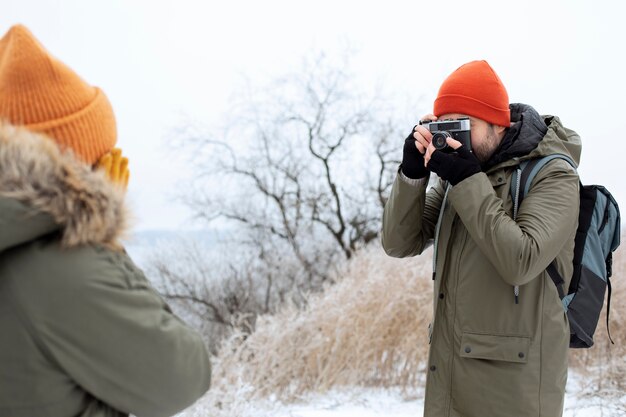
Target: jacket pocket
(495, 347)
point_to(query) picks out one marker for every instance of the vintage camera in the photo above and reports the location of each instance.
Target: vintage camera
(458, 129)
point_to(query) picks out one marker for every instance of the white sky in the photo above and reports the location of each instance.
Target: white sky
(161, 62)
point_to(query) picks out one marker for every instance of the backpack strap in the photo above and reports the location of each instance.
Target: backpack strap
(530, 168)
(556, 278)
(608, 304)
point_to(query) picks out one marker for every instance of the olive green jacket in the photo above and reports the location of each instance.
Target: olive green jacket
(82, 331)
(488, 355)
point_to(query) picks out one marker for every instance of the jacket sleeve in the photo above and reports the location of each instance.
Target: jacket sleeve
(410, 217)
(520, 250)
(116, 338)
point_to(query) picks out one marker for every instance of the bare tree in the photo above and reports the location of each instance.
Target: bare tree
(311, 156)
(301, 173)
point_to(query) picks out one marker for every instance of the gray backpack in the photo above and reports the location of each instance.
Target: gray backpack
(597, 237)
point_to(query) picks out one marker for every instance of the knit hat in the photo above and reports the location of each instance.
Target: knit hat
(476, 90)
(41, 93)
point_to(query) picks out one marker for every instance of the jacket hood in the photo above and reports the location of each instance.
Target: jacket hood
(44, 190)
(531, 136)
(558, 139)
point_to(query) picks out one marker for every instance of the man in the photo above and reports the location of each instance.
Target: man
(83, 332)
(499, 338)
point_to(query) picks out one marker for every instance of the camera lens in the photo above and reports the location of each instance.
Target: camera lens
(439, 139)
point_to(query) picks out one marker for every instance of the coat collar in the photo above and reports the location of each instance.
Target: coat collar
(44, 190)
(532, 136)
(526, 131)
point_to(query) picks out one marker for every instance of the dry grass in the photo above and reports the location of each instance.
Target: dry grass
(369, 329)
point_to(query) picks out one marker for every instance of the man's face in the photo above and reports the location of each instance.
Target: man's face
(485, 136)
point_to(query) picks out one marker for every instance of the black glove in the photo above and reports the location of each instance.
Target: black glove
(454, 167)
(412, 160)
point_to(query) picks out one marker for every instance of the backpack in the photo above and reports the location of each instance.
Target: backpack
(597, 236)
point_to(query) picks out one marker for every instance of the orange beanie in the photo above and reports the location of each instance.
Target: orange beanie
(476, 90)
(41, 93)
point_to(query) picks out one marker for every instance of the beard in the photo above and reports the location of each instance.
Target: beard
(485, 148)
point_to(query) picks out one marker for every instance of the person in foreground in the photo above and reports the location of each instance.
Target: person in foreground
(499, 338)
(83, 332)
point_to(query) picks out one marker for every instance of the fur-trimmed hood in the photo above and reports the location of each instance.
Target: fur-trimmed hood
(44, 190)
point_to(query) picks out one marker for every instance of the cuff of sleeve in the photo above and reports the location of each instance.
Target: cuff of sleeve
(417, 182)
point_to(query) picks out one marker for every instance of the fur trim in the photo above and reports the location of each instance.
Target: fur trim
(88, 207)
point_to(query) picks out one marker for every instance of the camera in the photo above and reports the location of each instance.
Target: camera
(458, 129)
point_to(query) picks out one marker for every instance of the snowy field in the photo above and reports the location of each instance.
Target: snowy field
(349, 402)
(361, 402)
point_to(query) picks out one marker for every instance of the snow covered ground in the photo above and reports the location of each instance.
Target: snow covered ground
(362, 402)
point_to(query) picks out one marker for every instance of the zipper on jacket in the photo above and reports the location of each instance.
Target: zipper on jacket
(438, 229)
(515, 208)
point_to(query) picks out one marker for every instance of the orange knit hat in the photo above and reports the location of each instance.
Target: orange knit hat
(476, 90)
(41, 93)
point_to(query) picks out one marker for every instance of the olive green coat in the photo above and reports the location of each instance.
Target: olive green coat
(488, 355)
(83, 332)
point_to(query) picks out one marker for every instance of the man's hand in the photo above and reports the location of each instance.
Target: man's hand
(415, 146)
(452, 167)
(115, 166)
